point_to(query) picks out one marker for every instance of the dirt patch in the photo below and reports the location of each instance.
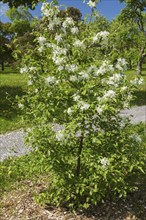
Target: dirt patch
(19, 204)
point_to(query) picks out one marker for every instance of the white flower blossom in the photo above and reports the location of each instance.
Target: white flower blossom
(79, 43)
(29, 83)
(102, 35)
(92, 4)
(50, 80)
(121, 64)
(58, 55)
(104, 161)
(76, 97)
(122, 61)
(83, 75)
(99, 110)
(109, 94)
(41, 49)
(20, 105)
(124, 88)
(58, 38)
(83, 106)
(68, 22)
(95, 128)
(74, 30)
(32, 68)
(136, 137)
(59, 60)
(46, 12)
(105, 67)
(51, 25)
(125, 104)
(140, 81)
(42, 40)
(60, 68)
(136, 81)
(69, 111)
(57, 21)
(59, 136)
(49, 11)
(44, 5)
(24, 70)
(73, 78)
(71, 68)
(115, 79)
(78, 133)
(92, 69)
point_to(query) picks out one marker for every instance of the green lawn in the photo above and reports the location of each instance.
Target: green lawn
(11, 84)
(141, 92)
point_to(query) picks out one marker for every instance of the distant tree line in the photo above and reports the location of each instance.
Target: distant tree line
(127, 31)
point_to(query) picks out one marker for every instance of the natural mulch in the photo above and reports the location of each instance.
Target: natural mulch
(19, 204)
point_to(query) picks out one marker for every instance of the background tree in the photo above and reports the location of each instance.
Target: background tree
(134, 12)
(5, 41)
(71, 12)
(26, 3)
(125, 40)
(22, 25)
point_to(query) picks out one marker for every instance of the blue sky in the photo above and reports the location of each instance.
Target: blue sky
(108, 8)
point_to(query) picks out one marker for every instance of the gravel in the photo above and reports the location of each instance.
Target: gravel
(12, 144)
(137, 114)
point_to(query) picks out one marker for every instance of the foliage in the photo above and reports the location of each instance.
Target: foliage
(27, 3)
(20, 13)
(73, 105)
(22, 25)
(5, 39)
(71, 12)
(125, 40)
(25, 167)
(140, 92)
(134, 12)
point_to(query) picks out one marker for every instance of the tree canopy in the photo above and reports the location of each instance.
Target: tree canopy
(5, 39)
(26, 3)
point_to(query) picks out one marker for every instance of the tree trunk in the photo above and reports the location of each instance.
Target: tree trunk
(3, 66)
(130, 64)
(140, 61)
(79, 156)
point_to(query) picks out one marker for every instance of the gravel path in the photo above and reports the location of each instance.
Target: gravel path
(137, 114)
(12, 144)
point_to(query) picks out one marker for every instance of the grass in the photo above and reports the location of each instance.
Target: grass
(140, 94)
(11, 84)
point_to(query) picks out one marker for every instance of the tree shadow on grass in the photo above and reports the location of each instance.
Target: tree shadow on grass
(133, 207)
(9, 70)
(140, 98)
(8, 101)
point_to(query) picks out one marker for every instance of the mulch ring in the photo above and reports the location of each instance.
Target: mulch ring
(19, 204)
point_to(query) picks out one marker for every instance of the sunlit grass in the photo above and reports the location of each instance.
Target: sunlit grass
(141, 91)
(11, 84)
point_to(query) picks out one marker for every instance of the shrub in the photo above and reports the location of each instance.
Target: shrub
(73, 106)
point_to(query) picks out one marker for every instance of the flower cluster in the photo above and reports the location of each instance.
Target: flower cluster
(92, 3)
(102, 36)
